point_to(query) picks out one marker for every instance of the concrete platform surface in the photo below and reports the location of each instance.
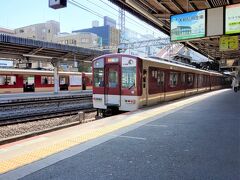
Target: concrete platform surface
(194, 138)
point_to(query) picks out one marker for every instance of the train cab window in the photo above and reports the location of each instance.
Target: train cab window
(98, 77)
(128, 77)
(173, 79)
(112, 78)
(7, 80)
(47, 80)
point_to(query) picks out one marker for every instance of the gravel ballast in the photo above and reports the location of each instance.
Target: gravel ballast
(28, 127)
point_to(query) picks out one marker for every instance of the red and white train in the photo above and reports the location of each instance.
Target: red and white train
(29, 80)
(126, 83)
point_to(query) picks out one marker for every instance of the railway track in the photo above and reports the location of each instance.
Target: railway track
(30, 110)
(37, 100)
(42, 116)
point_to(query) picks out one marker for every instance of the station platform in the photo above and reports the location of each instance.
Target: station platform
(14, 97)
(193, 138)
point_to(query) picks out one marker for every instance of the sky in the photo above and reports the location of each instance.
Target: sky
(19, 13)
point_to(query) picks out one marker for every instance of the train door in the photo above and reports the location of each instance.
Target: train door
(112, 91)
(28, 83)
(145, 87)
(63, 83)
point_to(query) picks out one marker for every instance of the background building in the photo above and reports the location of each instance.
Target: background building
(82, 39)
(42, 31)
(108, 32)
(109, 22)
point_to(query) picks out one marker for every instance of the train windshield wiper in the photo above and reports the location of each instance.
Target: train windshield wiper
(132, 86)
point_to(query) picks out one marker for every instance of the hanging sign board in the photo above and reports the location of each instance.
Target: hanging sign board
(215, 21)
(188, 25)
(232, 19)
(56, 4)
(228, 43)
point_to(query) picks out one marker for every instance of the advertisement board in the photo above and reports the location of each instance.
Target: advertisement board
(232, 19)
(75, 79)
(228, 43)
(188, 25)
(215, 21)
(6, 63)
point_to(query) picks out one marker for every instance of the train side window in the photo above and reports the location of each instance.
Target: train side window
(153, 73)
(47, 80)
(7, 80)
(173, 79)
(98, 77)
(144, 77)
(190, 79)
(183, 78)
(200, 80)
(160, 78)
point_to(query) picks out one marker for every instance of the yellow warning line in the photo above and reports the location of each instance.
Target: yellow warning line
(28, 158)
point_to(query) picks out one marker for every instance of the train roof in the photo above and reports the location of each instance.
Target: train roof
(179, 64)
(163, 61)
(36, 72)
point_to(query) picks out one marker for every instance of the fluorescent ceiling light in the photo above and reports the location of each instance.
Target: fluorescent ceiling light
(147, 15)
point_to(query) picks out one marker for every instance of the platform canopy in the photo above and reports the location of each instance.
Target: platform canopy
(17, 48)
(157, 13)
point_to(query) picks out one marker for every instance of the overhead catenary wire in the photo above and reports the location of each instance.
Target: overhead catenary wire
(84, 7)
(79, 5)
(102, 8)
(75, 3)
(135, 22)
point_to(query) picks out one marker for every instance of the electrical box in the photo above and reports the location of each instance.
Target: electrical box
(57, 4)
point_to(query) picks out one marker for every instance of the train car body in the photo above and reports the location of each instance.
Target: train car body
(28, 80)
(126, 82)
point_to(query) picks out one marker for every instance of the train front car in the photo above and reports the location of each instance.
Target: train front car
(116, 83)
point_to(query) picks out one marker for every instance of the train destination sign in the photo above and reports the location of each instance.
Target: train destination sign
(232, 19)
(188, 25)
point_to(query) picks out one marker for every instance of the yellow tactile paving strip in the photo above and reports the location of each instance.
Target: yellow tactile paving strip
(35, 155)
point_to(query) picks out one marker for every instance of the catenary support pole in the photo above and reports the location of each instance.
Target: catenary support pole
(56, 77)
